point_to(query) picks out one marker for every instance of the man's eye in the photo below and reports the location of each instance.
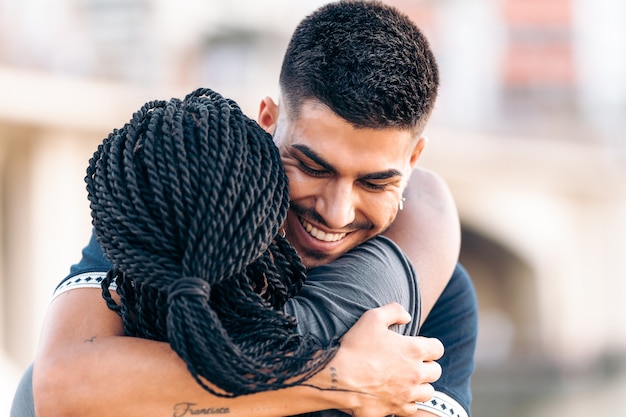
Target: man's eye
(374, 186)
(311, 171)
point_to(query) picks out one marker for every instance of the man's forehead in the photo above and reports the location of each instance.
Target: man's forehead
(327, 135)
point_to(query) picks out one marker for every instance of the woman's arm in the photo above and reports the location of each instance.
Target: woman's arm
(85, 367)
(373, 274)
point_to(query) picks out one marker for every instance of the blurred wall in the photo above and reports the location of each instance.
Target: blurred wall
(528, 132)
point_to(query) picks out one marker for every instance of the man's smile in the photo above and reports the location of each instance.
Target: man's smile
(319, 234)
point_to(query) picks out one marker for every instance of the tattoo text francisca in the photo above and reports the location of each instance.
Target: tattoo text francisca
(183, 409)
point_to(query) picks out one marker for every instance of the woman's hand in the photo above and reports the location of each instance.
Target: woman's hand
(380, 372)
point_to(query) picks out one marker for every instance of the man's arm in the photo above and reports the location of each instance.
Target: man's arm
(84, 367)
(429, 232)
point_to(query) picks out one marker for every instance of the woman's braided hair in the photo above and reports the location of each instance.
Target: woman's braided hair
(187, 200)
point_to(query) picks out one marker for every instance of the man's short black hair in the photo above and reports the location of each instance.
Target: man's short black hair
(367, 61)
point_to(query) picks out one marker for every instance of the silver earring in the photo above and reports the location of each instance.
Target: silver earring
(401, 203)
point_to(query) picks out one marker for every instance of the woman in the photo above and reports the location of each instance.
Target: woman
(187, 200)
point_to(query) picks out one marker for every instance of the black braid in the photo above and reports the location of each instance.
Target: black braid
(187, 200)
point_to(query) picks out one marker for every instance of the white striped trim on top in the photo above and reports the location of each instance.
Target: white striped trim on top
(443, 405)
(85, 280)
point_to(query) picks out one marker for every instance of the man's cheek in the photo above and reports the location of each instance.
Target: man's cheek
(299, 184)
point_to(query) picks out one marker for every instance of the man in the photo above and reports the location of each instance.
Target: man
(358, 84)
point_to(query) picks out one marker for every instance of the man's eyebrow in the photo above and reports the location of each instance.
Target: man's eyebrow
(311, 154)
(383, 175)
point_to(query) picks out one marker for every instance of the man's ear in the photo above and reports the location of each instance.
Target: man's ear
(417, 150)
(268, 115)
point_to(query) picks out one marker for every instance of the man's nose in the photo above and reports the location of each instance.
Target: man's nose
(336, 204)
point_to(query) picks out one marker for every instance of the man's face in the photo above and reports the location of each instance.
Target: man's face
(345, 183)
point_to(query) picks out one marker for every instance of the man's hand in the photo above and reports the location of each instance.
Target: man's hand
(387, 383)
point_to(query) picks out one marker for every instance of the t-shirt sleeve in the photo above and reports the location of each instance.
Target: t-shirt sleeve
(334, 296)
(89, 271)
(454, 321)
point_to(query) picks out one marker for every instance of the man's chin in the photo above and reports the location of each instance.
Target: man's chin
(313, 259)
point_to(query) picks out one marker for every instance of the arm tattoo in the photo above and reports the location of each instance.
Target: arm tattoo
(191, 409)
(333, 378)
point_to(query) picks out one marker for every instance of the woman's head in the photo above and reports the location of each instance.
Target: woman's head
(187, 201)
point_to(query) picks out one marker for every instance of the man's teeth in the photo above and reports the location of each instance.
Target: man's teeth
(320, 235)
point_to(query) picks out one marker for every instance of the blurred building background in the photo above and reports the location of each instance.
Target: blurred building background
(529, 132)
